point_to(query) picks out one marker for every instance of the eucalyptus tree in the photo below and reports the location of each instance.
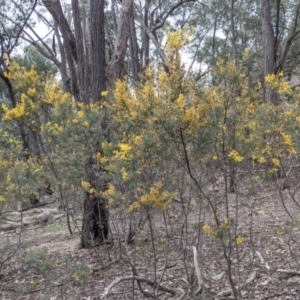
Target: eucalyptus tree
(90, 50)
(155, 16)
(280, 35)
(95, 49)
(268, 29)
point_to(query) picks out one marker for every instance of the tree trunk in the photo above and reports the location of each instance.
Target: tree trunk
(97, 49)
(146, 36)
(87, 52)
(269, 49)
(115, 66)
(95, 223)
(63, 65)
(80, 52)
(134, 52)
(55, 9)
(230, 5)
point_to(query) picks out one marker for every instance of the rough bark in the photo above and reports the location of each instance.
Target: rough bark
(86, 51)
(95, 223)
(268, 49)
(87, 44)
(80, 51)
(97, 49)
(55, 9)
(146, 40)
(63, 65)
(115, 66)
(134, 52)
(230, 4)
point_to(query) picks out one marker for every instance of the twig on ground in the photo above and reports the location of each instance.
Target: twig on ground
(181, 297)
(139, 279)
(198, 272)
(291, 272)
(228, 292)
(262, 259)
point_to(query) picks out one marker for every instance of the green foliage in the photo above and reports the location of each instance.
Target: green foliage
(38, 259)
(62, 135)
(33, 57)
(80, 273)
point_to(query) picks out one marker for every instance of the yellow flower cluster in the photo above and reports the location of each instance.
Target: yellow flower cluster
(156, 198)
(219, 233)
(278, 84)
(240, 240)
(235, 156)
(75, 277)
(287, 141)
(104, 93)
(125, 174)
(87, 187)
(15, 113)
(111, 190)
(209, 231)
(124, 152)
(177, 39)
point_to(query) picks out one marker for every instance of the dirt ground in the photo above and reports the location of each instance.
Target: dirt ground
(50, 265)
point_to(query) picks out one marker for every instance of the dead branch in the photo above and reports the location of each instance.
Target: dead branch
(250, 279)
(138, 279)
(37, 205)
(225, 293)
(290, 272)
(27, 213)
(181, 297)
(42, 218)
(228, 292)
(198, 272)
(134, 271)
(58, 217)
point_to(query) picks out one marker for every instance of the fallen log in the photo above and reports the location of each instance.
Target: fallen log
(25, 206)
(39, 219)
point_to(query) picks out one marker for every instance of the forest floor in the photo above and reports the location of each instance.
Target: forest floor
(49, 263)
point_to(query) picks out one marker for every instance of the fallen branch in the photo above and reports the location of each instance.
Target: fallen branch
(291, 272)
(198, 272)
(36, 205)
(225, 293)
(139, 279)
(43, 218)
(228, 292)
(181, 297)
(275, 296)
(262, 259)
(58, 217)
(33, 212)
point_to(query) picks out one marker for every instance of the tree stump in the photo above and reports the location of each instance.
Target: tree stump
(95, 223)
